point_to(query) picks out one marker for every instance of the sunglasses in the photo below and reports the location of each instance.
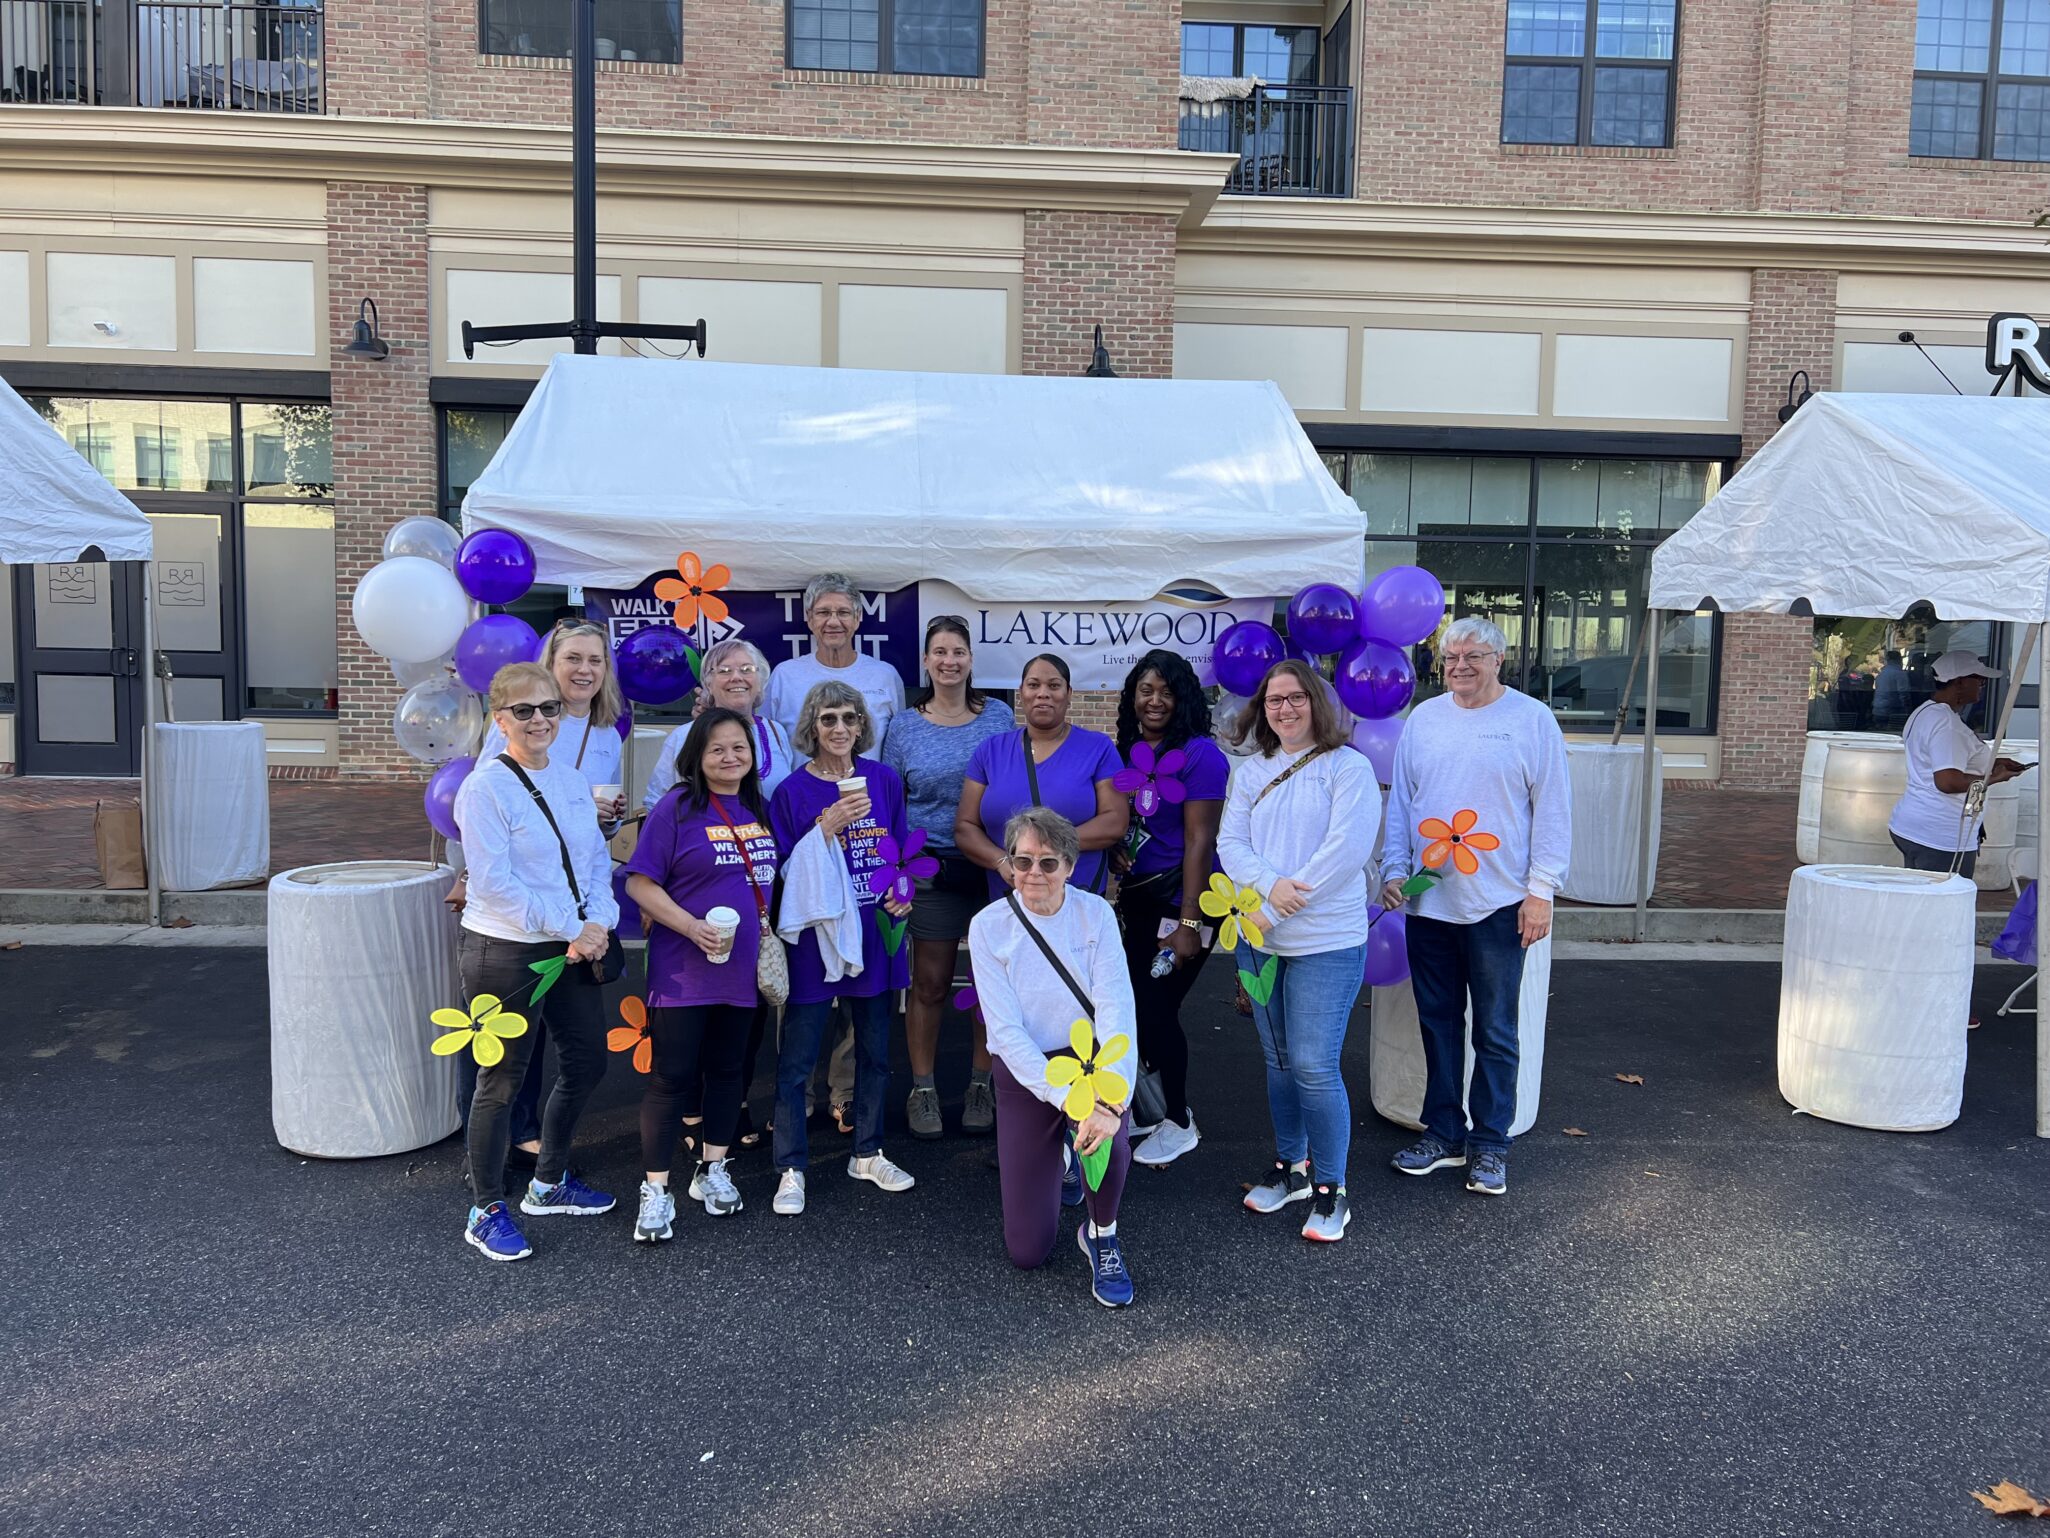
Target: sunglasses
(944, 622)
(734, 670)
(841, 718)
(1046, 864)
(549, 709)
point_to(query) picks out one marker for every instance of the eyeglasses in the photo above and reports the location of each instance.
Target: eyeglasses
(734, 670)
(821, 612)
(523, 711)
(841, 718)
(1468, 659)
(1294, 701)
(1046, 864)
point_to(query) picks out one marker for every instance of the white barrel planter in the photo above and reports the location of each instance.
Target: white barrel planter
(1861, 782)
(211, 796)
(2027, 835)
(1875, 992)
(2002, 823)
(1808, 813)
(1396, 1046)
(1608, 793)
(361, 955)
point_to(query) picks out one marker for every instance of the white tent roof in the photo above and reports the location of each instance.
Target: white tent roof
(1867, 504)
(1014, 489)
(53, 505)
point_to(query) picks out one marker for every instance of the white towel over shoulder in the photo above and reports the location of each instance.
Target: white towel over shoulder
(818, 893)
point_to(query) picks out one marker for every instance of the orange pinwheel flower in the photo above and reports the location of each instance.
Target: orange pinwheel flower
(634, 1034)
(1456, 840)
(697, 592)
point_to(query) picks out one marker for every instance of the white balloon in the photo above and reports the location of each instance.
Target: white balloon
(411, 673)
(1225, 717)
(410, 610)
(432, 539)
(438, 720)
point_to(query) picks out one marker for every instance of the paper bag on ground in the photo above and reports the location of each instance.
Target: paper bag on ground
(117, 838)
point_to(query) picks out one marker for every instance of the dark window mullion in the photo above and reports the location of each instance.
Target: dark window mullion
(886, 27)
(1991, 89)
(1586, 126)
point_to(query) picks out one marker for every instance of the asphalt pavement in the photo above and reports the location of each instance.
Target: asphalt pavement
(1706, 1316)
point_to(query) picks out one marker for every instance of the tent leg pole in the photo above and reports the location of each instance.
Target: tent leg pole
(1648, 791)
(149, 751)
(2042, 913)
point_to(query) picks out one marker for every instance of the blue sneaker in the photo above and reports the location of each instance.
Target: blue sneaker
(1427, 1154)
(569, 1195)
(1071, 1179)
(493, 1231)
(1108, 1280)
(1489, 1175)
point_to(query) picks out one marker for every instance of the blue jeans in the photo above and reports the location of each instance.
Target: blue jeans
(1447, 963)
(1302, 1034)
(804, 1028)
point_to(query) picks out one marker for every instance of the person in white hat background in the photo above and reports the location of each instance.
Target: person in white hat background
(1945, 756)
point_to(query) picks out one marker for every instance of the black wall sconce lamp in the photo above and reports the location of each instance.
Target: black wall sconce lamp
(1099, 361)
(1796, 402)
(367, 344)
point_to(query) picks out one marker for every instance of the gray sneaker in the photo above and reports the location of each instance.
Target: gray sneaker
(1489, 1175)
(710, 1184)
(922, 1111)
(658, 1209)
(1330, 1212)
(979, 1108)
(1281, 1185)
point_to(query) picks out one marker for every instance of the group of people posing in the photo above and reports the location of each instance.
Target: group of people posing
(815, 844)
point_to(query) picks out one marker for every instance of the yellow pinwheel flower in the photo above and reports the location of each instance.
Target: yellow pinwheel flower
(1086, 1082)
(1236, 906)
(483, 1029)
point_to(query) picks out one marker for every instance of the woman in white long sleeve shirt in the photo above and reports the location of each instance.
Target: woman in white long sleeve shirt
(1030, 1010)
(1299, 824)
(522, 908)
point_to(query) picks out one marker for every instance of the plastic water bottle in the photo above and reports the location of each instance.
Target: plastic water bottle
(1163, 963)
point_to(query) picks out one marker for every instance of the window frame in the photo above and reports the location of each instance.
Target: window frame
(1989, 80)
(485, 50)
(1238, 47)
(1587, 62)
(886, 46)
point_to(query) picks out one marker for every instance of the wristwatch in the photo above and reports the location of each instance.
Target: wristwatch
(1192, 923)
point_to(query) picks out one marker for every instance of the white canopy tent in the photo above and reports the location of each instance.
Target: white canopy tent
(54, 507)
(1864, 505)
(1013, 489)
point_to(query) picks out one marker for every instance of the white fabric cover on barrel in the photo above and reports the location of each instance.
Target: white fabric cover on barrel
(2002, 822)
(1608, 791)
(212, 800)
(1875, 990)
(1861, 782)
(360, 956)
(1808, 812)
(1396, 1046)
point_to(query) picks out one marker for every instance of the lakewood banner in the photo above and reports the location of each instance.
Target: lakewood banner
(773, 621)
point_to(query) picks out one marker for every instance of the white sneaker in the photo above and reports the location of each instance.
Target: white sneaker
(658, 1209)
(878, 1170)
(790, 1194)
(1168, 1143)
(713, 1186)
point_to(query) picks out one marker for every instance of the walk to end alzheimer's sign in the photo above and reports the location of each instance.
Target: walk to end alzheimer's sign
(1100, 642)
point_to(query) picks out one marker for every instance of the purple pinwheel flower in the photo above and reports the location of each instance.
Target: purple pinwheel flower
(1150, 781)
(966, 999)
(901, 869)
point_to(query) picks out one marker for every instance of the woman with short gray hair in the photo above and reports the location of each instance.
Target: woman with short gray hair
(734, 675)
(832, 613)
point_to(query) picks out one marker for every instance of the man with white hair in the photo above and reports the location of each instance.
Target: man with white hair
(832, 612)
(1481, 810)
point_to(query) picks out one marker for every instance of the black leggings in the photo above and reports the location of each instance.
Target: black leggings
(1158, 1000)
(697, 1067)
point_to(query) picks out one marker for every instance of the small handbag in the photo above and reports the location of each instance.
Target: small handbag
(772, 966)
(604, 969)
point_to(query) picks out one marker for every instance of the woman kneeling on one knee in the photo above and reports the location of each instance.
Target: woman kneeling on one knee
(1046, 957)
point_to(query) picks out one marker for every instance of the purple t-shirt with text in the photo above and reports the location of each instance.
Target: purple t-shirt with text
(697, 860)
(1067, 784)
(793, 810)
(1204, 774)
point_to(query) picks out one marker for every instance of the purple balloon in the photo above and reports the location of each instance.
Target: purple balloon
(1323, 617)
(491, 643)
(655, 665)
(494, 565)
(441, 796)
(1374, 679)
(1376, 739)
(1387, 951)
(1401, 606)
(625, 724)
(1244, 654)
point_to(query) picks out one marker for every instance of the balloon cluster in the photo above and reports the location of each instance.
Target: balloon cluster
(1369, 636)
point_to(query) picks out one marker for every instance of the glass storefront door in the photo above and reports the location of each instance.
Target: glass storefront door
(81, 667)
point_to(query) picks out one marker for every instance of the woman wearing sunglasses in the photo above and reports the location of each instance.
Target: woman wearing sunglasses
(540, 880)
(930, 744)
(854, 802)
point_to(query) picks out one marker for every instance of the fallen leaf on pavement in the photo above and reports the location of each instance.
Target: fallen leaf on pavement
(1575, 1132)
(11, 945)
(180, 923)
(1629, 1078)
(2008, 1499)
(1655, 1175)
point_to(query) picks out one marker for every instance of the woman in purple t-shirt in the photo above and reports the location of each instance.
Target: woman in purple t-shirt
(1049, 762)
(706, 845)
(834, 728)
(1177, 776)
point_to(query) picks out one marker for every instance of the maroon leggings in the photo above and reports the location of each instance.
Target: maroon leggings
(1030, 1137)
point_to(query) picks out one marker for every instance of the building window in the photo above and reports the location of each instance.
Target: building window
(887, 37)
(1590, 72)
(648, 30)
(1556, 551)
(1274, 55)
(1982, 80)
(470, 435)
(1866, 675)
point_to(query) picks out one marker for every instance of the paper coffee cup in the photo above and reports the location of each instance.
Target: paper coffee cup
(605, 795)
(727, 922)
(854, 785)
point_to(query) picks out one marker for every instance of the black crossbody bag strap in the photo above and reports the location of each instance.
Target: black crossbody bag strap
(561, 843)
(1059, 966)
(1102, 880)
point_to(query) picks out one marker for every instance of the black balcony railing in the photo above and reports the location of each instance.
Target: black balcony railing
(186, 53)
(1292, 141)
